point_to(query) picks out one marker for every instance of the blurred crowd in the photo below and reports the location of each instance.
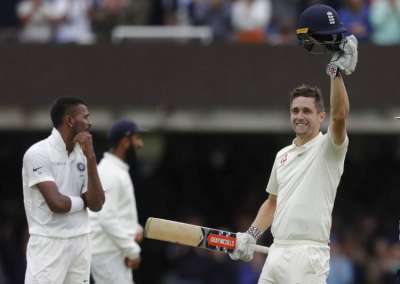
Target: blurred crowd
(218, 181)
(267, 21)
(361, 255)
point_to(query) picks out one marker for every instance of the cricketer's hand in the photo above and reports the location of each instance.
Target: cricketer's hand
(132, 263)
(346, 60)
(244, 249)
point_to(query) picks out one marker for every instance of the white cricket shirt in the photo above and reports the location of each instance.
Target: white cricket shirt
(115, 225)
(305, 179)
(48, 160)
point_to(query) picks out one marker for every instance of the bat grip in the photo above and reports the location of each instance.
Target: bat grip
(260, 249)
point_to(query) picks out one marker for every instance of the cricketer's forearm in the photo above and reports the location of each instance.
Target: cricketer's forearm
(94, 197)
(339, 99)
(339, 109)
(265, 214)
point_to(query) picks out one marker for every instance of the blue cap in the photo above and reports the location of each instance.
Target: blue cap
(319, 19)
(123, 128)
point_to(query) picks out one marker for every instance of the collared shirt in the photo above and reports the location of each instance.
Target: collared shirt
(48, 160)
(305, 179)
(115, 225)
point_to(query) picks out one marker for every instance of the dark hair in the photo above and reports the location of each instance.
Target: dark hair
(308, 92)
(61, 107)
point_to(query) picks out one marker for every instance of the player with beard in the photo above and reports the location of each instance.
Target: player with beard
(60, 181)
(115, 229)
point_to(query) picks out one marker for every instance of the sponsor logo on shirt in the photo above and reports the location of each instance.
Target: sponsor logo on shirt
(36, 169)
(81, 166)
(284, 159)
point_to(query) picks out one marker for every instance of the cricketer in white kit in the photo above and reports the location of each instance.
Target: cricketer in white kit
(115, 229)
(303, 184)
(59, 181)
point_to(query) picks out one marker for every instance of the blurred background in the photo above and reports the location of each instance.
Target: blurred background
(209, 80)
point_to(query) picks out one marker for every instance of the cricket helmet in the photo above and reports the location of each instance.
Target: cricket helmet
(319, 27)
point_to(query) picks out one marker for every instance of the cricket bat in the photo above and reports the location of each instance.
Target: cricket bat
(193, 235)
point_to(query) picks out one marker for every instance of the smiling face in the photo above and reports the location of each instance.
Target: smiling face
(305, 118)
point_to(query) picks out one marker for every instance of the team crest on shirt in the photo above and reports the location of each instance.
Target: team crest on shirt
(81, 166)
(284, 159)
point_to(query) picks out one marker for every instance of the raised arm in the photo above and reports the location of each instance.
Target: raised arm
(343, 62)
(94, 196)
(339, 110)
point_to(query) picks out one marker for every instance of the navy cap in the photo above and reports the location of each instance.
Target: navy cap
(321, 20)
(123, 128)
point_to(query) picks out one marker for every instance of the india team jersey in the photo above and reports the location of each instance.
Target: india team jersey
(115, 225)
(48, 160)
(305, 179)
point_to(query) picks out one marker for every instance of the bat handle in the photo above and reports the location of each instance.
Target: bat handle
(260, 249)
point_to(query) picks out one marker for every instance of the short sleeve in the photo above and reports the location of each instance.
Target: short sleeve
(272, 186)
(335, 154)
(335, 147)
(107, 178)
(37, 167)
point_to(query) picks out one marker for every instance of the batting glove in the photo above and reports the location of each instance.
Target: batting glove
(244, 247)
(345, 60)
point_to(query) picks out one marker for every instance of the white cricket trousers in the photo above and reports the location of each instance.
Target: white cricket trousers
(296, 262)
(58, 261)
(108, 268)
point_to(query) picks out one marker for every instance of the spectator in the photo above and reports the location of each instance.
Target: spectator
(355, 17)
(383, 267)
(385, 20)
(284, 19)
(177, 12)
(138, 12)
(250, 19)
(341, 268)
(216, 15)
(73, 25)
(107, 14)
(335, 4)
(36, 17)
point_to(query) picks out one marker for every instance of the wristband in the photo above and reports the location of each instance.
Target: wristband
(333, 71)
(77, 204)
(254, 232)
